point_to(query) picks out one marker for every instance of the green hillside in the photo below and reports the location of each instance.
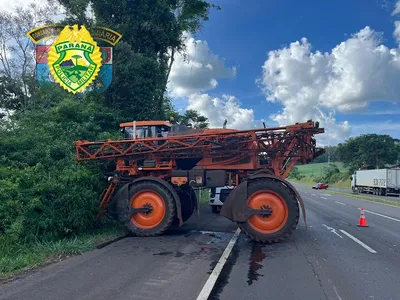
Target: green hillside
(317, 169)
(322, 172)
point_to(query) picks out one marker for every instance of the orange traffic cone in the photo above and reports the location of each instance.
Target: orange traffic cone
(363, 220)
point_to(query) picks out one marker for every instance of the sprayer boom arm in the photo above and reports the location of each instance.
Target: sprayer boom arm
(278, 148)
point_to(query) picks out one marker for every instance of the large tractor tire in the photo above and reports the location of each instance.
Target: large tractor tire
(147, 194)
(188, 200)
(281, 201)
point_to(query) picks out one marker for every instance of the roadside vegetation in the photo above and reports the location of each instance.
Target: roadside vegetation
(48, 202)
(203, 195)
(335, 174)
(17, 258)
(368, 151)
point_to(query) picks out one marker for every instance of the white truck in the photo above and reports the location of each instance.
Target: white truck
(378, 182)
(218, 196)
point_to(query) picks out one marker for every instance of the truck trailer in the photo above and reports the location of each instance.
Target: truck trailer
(378, 182)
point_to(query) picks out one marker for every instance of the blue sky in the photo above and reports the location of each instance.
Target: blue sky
(345, 73)
(243, 33)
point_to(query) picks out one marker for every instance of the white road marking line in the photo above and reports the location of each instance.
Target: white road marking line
(348, 196)
(333, 230)
(336, 292)
(387, 217)
(313, 194)
(378, 202)
(341, 203)
(358, 241)
(324, 198)
(329, 195)
(207, 288)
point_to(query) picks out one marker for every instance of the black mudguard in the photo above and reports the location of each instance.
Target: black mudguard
(124, 193)
(235, 206)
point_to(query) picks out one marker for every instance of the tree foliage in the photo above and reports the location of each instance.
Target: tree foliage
(330, 154)
(136, 87)
(44, 192)
(190, 118)
(152, 34)
(331, 174)
(369, 151)
(17, 60)
(295, 174)
(193, 118)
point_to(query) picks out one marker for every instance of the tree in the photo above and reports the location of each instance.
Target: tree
(189, 15)
(76, 57)
(43, 191)
(368, 151)
(17, 57)
(152, 34)
(136, 84)
(295, 174)
(194, 118)
(330, 155)
(190, 116)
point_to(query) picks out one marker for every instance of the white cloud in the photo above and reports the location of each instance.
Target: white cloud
(354, 73)
(396, 8)
(10, 6)
(196, 72)
(58, 11)
(396, 32)
(334, 132)
(218, 109)
(199, 71)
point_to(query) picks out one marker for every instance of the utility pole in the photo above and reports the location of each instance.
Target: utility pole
(329, 156)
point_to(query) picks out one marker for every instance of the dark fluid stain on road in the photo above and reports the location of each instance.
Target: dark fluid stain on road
(178, 254)
(177, 231)
(255, 262)
(223, 278)
(102, 245)
(163, 253)
(215, 259)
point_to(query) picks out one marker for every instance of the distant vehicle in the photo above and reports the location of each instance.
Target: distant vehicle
(320, 186)
(218, 196)
(378, 182)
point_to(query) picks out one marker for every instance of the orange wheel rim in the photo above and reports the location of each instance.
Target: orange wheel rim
(148, 199)
(277, 220)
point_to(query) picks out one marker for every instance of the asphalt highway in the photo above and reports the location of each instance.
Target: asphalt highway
(332, 259)
(349, 191)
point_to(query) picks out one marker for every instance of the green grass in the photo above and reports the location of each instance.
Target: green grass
(310, 181)
(17, 258)
(203, 195)
(317, 169)
(345, 184)
(310, 171)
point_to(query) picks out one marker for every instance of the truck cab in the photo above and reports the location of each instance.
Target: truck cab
(159, 129)
(353, 182)
(218, 196)
(145, 129)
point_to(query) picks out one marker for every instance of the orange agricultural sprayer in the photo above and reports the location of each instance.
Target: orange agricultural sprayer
(158, 164)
